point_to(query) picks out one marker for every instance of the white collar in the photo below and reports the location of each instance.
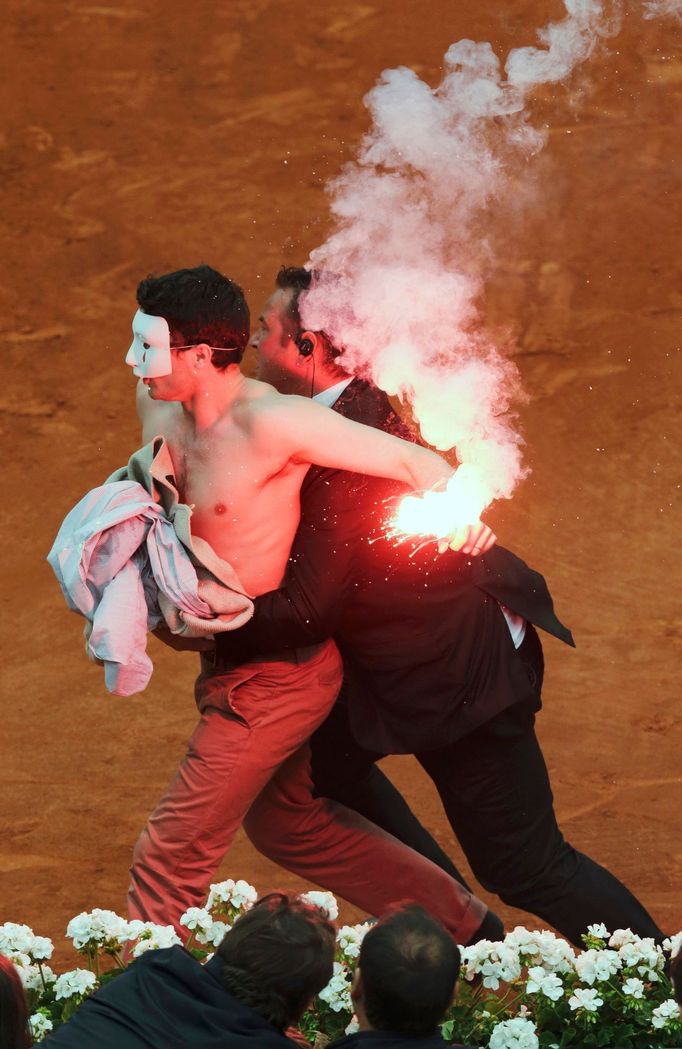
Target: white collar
(330, 396)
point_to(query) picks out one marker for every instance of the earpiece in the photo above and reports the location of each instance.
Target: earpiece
(305, 346)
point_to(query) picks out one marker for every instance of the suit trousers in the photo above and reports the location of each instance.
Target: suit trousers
(496, 793)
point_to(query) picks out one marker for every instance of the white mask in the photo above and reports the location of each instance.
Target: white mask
(149, 355)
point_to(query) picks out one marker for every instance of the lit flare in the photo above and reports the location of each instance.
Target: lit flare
(439, 514)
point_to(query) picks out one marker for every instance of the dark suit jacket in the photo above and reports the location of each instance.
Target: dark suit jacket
(427, 652)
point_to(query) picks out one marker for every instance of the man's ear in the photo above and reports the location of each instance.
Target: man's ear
(313, 338)
(203, 354)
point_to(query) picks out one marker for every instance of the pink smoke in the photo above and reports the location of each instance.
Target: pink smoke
(408, 253)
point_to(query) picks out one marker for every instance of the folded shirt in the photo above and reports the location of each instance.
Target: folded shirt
(121, 565)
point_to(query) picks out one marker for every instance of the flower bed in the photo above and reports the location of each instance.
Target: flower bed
(530, 991)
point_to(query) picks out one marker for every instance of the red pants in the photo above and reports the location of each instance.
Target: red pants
(333, 846)
(253, 718)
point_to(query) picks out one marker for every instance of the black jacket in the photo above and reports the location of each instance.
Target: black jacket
(166, 1000)
(427, 652)
(389, 1040)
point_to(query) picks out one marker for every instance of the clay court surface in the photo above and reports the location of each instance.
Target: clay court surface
(143, 137)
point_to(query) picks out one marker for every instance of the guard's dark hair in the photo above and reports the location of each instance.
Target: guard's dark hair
(299, 279)
(409, 966)
(14, 1029)
(277, 957)
(200, 305)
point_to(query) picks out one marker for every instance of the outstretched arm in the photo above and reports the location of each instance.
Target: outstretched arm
(311, 433)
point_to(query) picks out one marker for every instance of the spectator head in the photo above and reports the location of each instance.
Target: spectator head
(14, 1029)
(277, 957)
(201, 306)
(407, 973)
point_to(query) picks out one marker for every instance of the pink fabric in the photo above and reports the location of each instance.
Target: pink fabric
(117, 555)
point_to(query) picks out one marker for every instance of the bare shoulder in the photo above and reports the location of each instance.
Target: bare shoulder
(265, 409)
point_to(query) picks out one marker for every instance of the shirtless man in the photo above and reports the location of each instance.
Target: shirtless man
(236, 451)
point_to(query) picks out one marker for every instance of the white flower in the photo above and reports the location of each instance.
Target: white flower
(90, 930)
(31, 979)
(494, 961)
(621, 936)
(197, 918)
(350, 937)
(221, 892)
(353, 1026)
(541, 982)
(337, 992)
(325, 901)
(153, 937)
(237, 894)
(672, 944)
(77, 981)
(518, 1033)
(597, 966)
(633, 988)
(666, 1012)
(644, 956)
(599, 931)
(15, 939)
(243, 895)
(41, 948)
(544, 948)
(214, 935)
(585, 998)
(40, 1025)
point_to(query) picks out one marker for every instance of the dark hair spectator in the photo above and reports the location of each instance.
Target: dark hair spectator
(277, 957)
(14, 1029)
(200, 306)
(408, 969)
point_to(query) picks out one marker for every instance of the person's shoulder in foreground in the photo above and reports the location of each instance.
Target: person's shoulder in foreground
(404, 982)
(260, 980)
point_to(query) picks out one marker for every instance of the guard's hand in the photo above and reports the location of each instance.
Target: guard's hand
(472, 539)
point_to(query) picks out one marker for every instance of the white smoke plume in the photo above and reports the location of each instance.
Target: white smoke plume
(661, 8)
(402, 272)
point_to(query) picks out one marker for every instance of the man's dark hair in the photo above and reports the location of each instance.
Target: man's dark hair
(200, 305)
(409, 966)
(14, 1029)
(298, 279)
(277, 957)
